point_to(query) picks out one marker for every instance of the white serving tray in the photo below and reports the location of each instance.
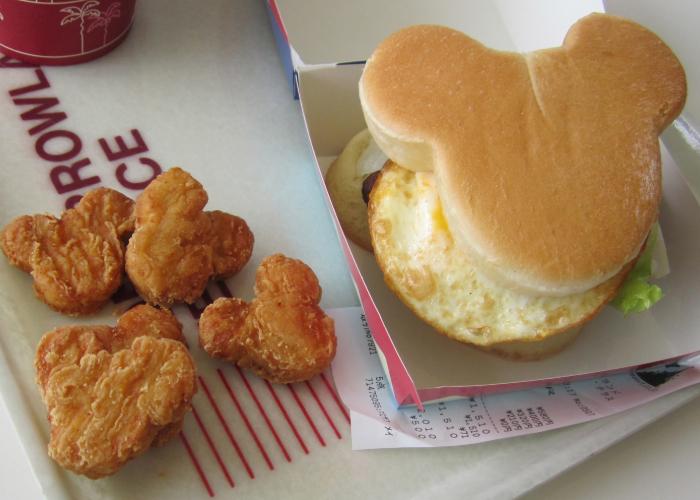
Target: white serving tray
(205, 88)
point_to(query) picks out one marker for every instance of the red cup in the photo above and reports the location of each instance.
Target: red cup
(63, 32)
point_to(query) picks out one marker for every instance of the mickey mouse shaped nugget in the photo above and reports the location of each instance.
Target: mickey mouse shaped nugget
(177, 247)
(282, 335)
(112, 393)
(76, 261)
(523, 186)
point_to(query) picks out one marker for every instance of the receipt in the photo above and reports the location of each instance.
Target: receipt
(377, 422)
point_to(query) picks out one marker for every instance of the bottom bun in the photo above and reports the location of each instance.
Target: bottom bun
(435, 278)
(533, 351)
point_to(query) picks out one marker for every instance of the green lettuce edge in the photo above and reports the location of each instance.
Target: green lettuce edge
(637, 294)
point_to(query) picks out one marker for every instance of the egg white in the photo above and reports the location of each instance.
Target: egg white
(435, 278)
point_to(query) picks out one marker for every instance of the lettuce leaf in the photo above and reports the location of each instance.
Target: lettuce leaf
(636, 293)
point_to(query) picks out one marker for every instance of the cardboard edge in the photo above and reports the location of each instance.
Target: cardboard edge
(402, 383)
(282, 41)
(445, 393)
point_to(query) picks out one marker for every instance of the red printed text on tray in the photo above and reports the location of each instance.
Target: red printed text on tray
(62, 148)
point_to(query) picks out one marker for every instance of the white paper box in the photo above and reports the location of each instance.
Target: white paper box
(423, 365)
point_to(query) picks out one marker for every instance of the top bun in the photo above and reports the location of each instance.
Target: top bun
(547, 163)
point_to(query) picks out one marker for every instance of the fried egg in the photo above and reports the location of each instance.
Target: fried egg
(436, 279)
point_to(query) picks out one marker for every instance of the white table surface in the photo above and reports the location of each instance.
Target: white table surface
(658, 462)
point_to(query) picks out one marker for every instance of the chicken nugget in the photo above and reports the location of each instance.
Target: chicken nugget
(282, 335)
(68, 344)
(112, 393)
(232, 244)
(17, 242)
(177, 247)
(76, 261)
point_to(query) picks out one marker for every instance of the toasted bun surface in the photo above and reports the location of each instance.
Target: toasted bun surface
(435, 278)
(547, 164)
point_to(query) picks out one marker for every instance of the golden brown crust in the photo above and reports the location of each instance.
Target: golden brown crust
(144, 320)
(169, 258)
(282, 335)
(289, 280)
(17, 242)
(547, 163)
(177, 247)
(218, 325)
(76, 261)
(67, 345)
(111, 393)
(104, 206)
(168, 432)
(232, 243)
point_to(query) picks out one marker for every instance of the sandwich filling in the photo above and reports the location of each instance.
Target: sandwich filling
(424, 265)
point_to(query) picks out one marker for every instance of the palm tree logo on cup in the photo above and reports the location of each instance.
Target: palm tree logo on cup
(105, 19)
(85, 11)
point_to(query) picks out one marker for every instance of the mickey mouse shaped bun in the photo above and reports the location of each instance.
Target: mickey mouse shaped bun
(545, 167)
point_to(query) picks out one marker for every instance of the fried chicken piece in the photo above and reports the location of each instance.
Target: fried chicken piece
(68, 344)
(282, 335)
(169, 257)
(17, 242)
(177, 247)
(76, 261)
(232, 244)
(112, 393)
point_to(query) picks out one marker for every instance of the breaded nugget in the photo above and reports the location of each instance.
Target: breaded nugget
(76, 261)
(177, 247)
(232, 243)
(111, 393)
(169, 258)
(17, 242)
(282, 335)
(68, 344)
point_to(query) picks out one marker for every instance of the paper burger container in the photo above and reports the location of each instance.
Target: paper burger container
(63, 32)
(421, 364)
